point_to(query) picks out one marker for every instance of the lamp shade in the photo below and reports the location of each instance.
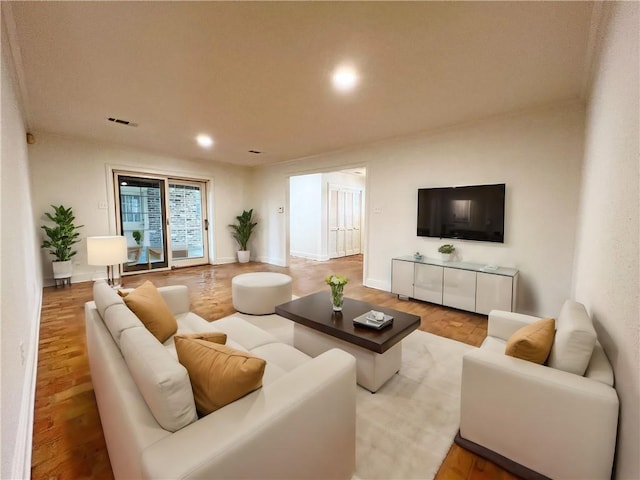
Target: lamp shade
(107, 250)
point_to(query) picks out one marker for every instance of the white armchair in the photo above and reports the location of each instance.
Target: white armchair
(557, 420)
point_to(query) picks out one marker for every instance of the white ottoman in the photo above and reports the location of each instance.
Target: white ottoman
(258, 293)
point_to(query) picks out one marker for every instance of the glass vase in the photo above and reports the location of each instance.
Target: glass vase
(337, 298)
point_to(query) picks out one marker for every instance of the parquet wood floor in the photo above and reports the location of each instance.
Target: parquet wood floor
(67, 439)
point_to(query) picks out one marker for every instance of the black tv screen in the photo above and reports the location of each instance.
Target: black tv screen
(470, 213)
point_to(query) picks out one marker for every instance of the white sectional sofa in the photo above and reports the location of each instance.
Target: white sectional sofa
(300, 424)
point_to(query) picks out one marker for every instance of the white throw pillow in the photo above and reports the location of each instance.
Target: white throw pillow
(162, 381)
(575, 339)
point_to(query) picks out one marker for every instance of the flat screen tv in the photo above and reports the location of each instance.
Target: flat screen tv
(471, 213)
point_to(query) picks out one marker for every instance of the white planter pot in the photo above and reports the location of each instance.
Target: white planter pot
(62, 269)
(243, 256)
(446, 257)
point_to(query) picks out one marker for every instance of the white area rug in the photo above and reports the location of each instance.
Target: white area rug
(405, 429)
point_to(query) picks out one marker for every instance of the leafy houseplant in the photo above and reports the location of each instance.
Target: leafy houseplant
(61, 238)
(336, 283)
(137, 236)
(446, 250)
(242, 231)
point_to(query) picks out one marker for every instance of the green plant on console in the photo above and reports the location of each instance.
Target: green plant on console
(447, 248)
(243, 229)
(63, 235)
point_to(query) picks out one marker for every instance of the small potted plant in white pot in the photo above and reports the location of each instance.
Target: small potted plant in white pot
(242, 231)
(446, 251)
(60, 240)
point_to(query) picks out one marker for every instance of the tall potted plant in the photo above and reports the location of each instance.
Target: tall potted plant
(60, 239)
(241, 231)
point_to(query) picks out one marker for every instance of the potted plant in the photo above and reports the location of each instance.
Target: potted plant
(60, 240)
(242, 231)
(336, 283)
(137, 236)
(446, 250)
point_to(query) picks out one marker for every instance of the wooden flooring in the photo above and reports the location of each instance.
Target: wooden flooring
(67, 439)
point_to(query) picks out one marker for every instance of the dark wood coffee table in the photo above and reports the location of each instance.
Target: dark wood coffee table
(318, 328)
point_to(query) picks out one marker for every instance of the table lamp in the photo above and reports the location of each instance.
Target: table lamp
(107, 251)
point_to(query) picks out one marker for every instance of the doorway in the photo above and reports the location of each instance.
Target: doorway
(163, 219)
(326, 214)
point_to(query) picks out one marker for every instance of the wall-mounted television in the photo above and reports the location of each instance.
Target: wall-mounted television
(473, 212)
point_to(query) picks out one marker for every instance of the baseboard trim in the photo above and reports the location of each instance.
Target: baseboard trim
(21, 466)
(503, 462)
(310, 256)
(377, 284)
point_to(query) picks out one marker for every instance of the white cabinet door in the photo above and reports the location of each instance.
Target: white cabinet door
(427, 283)
(493, 292)
(459, 289)
(402, 278)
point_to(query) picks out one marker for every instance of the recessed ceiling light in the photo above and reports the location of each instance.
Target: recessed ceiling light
(345, 78)
(205, 141)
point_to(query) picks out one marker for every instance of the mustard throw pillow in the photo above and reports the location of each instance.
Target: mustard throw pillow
(215, 337)
(532, 342)
(219, 374)
(149, 306)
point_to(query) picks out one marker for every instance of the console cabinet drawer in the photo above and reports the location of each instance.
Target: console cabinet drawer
(402, 278)
(493, 292)
(459, 289)
(427, 283)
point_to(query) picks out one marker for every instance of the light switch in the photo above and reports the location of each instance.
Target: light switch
(102, 205)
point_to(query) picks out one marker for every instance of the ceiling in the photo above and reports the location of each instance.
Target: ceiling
(256, 76)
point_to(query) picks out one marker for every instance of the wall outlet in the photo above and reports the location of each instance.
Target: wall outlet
(280, 209)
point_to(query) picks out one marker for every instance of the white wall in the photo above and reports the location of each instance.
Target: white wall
(306, 213)
(20, 282)
(606, 268)
(536, 153)
(73, 172)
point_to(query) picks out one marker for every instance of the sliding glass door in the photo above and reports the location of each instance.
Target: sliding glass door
(164, 221)
(142, 221)
(187, 223)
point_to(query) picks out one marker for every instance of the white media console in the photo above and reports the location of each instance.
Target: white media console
(467, 286)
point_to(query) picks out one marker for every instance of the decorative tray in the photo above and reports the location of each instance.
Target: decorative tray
(373, 319)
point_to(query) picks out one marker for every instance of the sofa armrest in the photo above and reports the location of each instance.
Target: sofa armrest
(287, 429)
(556, 423)
(503, 324)
(177, 297)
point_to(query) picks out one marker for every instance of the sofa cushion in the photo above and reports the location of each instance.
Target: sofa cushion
(162, 381)
(105, 296)
(599, 367)
(532, 342)
(119, 318)
(149, 306)
(575, 339)
(219, 374)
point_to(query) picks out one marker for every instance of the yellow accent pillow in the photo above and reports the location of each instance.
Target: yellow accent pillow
(219, 374)
(532, 342)
(215, 337)
(149, 306)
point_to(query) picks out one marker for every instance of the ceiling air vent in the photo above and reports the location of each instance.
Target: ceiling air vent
(122, 122)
